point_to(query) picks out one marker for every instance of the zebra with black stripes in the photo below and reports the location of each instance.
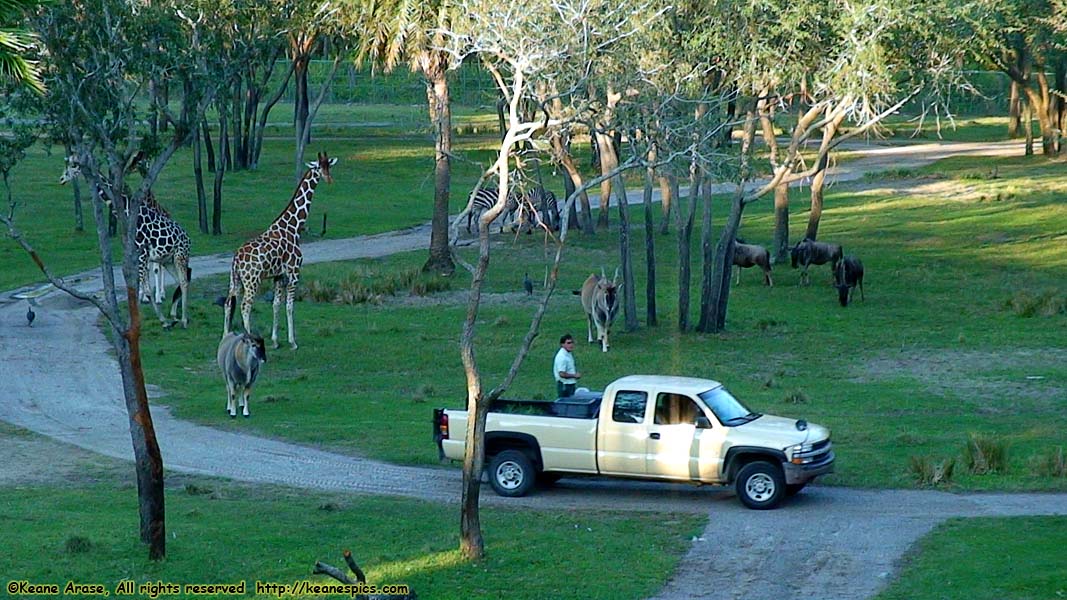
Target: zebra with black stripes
(486, 198)
(545, 207)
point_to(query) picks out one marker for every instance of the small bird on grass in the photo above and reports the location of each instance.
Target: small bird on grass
(30, 315)
(527, 284)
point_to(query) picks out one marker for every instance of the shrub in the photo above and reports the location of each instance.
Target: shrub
(77, 544)
(985, 455)
(1053, 463)
(929, 473)
(1026, 303)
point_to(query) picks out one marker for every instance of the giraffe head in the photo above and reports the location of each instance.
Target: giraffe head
(321, 167)
(72, 171)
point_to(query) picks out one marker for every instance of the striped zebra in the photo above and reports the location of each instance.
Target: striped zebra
(535, 207)
(485, 199)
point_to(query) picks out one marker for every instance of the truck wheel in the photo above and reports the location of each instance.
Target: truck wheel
(511, 474)
(760, 485)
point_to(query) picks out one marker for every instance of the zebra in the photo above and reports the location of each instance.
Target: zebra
(486, 198)
(537, 206)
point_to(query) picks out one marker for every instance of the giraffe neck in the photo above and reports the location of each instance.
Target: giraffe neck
(296, 213)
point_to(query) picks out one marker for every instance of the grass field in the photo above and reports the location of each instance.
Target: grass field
(223, 533)
(960, 335)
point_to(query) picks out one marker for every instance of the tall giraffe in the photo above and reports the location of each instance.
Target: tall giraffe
(160, 240)
(275, 253)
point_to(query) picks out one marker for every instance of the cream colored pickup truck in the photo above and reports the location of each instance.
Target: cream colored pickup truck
(646, 427)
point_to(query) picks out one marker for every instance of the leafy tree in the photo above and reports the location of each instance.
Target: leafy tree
(16, 44)
(411, 31)
(102, 54)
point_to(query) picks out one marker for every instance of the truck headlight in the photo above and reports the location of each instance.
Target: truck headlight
(800, 454)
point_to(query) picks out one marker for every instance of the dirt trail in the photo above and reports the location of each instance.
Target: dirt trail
(59, 379)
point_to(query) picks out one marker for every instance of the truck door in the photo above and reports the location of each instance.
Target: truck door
(622, 433)
(677, 448)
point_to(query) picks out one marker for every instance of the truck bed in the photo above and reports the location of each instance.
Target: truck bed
(583, 405)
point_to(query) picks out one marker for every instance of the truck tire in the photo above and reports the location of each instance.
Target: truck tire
(760, 485)
(512, 474)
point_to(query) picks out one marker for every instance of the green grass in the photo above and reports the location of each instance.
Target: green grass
(1017, 558)
(219, 532)
(935, 354)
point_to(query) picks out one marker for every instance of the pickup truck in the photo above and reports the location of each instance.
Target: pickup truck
(645, 427)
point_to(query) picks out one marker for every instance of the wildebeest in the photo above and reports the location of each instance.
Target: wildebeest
(809, 252)
(751, 255)
(847, 276)
(240, 355)
(600, 299)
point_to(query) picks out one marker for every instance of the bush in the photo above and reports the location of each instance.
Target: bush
(929, 473)
(1026, 303)
(1053, 463)
(360, 287)
(77, 544)
(985, 455)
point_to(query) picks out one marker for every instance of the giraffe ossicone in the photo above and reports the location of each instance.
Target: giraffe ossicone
(275, 254)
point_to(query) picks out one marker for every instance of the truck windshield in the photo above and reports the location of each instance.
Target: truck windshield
(728, 409)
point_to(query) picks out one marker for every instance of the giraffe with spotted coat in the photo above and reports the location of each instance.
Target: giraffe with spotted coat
(160, 241)
(275, 253)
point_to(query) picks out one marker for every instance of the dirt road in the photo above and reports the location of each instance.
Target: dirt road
(59, 379)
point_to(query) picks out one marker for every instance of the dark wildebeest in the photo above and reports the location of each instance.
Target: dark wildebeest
(600, 300)
(848, 275)
(751, 255)
(808, 252)
(240, 355)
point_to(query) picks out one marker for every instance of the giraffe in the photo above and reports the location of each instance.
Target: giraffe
(160, 241)
(275, 253)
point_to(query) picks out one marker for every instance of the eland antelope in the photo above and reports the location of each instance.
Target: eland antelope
(600, 299)
(240, 355)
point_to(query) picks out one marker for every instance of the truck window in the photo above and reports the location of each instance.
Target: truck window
(629, 407)
(727, 409)
(674, 409)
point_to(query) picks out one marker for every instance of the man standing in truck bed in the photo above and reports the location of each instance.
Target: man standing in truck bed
(564, 369)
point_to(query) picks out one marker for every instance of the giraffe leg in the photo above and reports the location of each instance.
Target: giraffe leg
(278, 287)
(290, 297)
(246, 307)
(179, 270)
(143, 283)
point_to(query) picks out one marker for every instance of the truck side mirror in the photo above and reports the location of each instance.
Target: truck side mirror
(703, 422)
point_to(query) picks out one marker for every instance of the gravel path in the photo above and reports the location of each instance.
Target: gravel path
(59, 379)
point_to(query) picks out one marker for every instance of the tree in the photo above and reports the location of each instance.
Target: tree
(535, 52)
(102, 55)
(16, 44)
(1025, 40)
(398, 31)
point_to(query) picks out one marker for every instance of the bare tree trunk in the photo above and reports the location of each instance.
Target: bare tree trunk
(303, 131)
(209, 146)
(1028, 123)
(75, 184)
(650, 245)
(609, 161)
(198, 176)
(565, 159)
(1014, 111)
(668, 185)
(261, 128)
(685, 236)
(629, 302)
(220, 172)
(437, 94)
(780, 244)
(818, 181)
(240, 153)
(707, 261)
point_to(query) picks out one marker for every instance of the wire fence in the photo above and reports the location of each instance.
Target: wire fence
(471, 86)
